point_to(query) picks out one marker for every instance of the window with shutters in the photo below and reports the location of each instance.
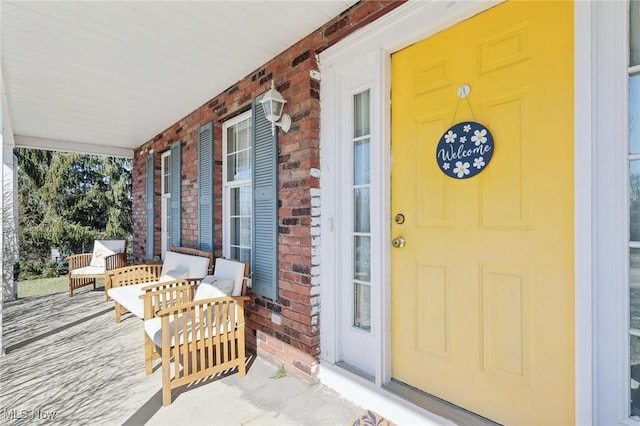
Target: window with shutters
(165, 189)
(237, 196)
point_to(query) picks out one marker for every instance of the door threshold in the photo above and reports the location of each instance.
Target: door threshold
(357, 371)
(395, 401)
(435, 405)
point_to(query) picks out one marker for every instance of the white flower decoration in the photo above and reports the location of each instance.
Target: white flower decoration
(479, 137)
(463, 139)
(467, 128)
(478, 163)
(450, 137)
(446, 166)
(461, 169)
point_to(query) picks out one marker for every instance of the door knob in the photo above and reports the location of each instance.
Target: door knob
(398, 242)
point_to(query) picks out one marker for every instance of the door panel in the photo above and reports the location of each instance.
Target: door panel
(482, 293)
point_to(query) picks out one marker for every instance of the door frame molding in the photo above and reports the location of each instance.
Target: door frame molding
(400, 28)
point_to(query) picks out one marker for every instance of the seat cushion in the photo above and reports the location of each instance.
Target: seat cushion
(153, 328)
(88, 270)
(196, 266)
(129, 297)
(174, 274)
(104, 248)
(227, 268)
(212, 286)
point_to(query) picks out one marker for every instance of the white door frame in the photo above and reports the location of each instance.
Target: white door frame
(597, 111)
(603, 119)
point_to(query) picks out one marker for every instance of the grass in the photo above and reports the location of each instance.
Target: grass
(42, 286)
(280, 372)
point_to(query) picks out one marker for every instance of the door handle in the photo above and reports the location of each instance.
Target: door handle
(398, 242)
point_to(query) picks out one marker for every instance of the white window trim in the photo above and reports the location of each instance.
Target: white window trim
(597, 27)
(226, 223)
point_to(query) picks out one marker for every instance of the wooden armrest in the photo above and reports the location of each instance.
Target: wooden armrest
(113, 261)
(164, 295)
(170, 287)
(79, 260)
(135, 274)
(161, 285)
(174, 310)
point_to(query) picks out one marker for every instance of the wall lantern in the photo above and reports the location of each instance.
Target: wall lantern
(272, 103)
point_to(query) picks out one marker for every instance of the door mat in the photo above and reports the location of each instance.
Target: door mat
(370, 418)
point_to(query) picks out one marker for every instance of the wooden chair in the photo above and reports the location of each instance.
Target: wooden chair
(84, 268)
(201, 332)
(128, 284)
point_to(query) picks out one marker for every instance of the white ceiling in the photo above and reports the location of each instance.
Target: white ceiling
(106, 76)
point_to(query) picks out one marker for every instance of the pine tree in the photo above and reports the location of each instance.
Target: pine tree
(69, 200)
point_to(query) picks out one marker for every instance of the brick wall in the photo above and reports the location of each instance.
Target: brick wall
(295, 342)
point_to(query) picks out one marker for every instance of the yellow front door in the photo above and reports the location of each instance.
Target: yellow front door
(482, 292)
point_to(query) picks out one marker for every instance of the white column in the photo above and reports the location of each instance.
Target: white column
(2, 127)
(9, 221)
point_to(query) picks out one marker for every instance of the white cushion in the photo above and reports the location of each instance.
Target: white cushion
(227, 268)
(88, 270)
(129, 297)
(153, 328)
(174, 274)
(196, 266)
(212, 286)
(104, 248)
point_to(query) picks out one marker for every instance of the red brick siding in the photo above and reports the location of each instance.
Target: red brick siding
(298, 216)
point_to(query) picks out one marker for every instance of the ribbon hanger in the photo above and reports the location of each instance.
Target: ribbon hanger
(463, 93)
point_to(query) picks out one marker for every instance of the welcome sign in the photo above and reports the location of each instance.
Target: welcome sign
(464, 150)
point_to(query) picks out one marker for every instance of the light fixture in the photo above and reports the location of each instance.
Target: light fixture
(273, 103)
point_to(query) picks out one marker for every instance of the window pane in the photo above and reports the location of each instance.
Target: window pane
(245, 255)
(362, 306)
(240, 201)
(634, 114)
(634, 33)
(634, 352)
(243, 165)
(241, 254)
(243, 134)
(234, 253)
(361, 163)
(361, 114)
(634, 200)
(234, 227)
(362, 255)
(634, 287)
(234, 202)
(231, 167)
(361, 221)
(245, 200)
(245, 232)
(231, 140)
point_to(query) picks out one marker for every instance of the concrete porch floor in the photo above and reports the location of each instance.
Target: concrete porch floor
(68, 362)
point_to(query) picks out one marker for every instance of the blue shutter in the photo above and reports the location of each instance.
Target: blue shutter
(176, 194)
(150, 200)
(205, 187)
(264, 226)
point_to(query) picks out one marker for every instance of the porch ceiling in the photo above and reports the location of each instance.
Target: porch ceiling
(104, 77)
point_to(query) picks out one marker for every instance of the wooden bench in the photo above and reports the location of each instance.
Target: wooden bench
(128, 284)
